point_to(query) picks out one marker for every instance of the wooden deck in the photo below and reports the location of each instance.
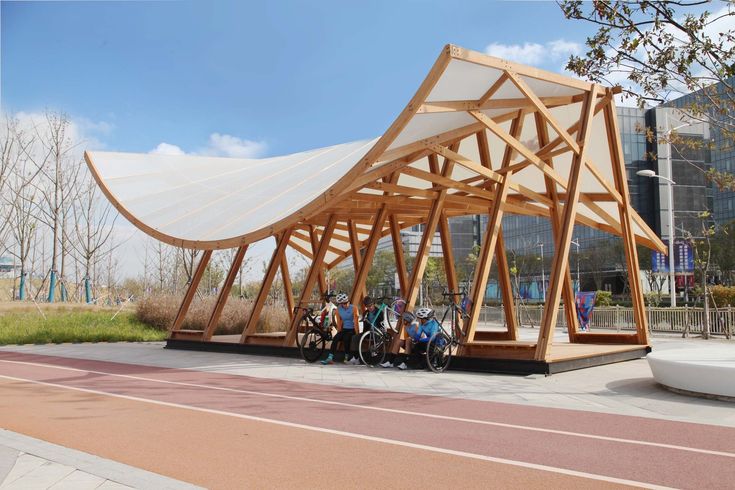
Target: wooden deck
(503, 356)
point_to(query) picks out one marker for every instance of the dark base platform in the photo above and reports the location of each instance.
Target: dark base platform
(474, 364)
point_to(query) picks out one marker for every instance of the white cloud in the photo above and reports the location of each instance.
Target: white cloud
(223, 145)
(167, 149)
(81, 133)
(534, 53)
(232, 146)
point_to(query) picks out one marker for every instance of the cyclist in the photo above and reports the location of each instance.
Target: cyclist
(347, 324)
(421, 332)
(373, 315)
(409, 320)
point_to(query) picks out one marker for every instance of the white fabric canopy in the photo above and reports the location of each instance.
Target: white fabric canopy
(209, 202)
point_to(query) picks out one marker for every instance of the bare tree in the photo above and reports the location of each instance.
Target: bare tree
(94, 221)
(56, 146)
(19, 223)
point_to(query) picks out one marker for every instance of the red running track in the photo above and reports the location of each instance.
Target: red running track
(654, 452)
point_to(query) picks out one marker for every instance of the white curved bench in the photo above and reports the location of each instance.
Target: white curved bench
(706, 370)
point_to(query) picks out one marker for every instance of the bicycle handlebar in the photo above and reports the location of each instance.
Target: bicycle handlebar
(447, 294)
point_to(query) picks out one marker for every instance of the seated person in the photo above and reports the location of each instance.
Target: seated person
(422, 332)
(347, 326)
(373, 316)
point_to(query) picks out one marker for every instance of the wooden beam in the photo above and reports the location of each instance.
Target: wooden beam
(628, 233)
(548, 116)
(191, 291)
(517, 146)
(570, 305)
(224, 293)
(354, 245)
(395, 231)
(281, 243)
(287, 286)
(315, 245)
(561, 257)
(467, 163)
(506, 288)
(311, 279)
(358, 288)
(490, 240)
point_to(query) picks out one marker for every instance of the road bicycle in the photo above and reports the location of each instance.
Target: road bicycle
(375, 341)
(318, 329)
(443, 344)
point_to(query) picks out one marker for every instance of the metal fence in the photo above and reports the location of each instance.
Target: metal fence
(618, 318)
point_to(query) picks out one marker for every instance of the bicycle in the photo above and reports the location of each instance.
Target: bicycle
(374, 342)
(318, 330)
(441, 346)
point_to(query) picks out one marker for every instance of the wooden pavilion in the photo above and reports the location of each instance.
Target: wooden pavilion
(480, 136)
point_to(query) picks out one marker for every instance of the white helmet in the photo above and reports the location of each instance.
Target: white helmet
(342, 298)
(424, 313)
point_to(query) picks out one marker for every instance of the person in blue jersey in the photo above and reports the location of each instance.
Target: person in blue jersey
(347, 322)
(422, 331)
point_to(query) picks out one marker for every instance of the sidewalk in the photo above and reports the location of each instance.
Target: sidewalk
(28, 464)
(624, 388)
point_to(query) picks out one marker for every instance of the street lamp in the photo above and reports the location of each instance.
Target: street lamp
(670, 183)
(576, 243)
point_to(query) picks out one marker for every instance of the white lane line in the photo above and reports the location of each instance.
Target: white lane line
(354, 435)
(395, 410)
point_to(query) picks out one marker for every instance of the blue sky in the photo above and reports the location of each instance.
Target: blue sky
(248, 78)
(273, 77)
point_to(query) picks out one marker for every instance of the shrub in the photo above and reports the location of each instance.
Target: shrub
(603, 298)
(160, 311)
(723, 295)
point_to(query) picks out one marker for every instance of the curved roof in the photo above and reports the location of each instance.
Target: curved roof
(463, 112)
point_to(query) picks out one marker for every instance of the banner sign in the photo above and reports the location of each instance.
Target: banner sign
(585, 304)
(683, 258)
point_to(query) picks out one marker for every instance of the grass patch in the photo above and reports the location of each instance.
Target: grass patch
(29, 327)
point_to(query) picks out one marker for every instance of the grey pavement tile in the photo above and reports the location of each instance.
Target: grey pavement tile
(8, 457)
(23, 465)
(79, 480)
(43, 476)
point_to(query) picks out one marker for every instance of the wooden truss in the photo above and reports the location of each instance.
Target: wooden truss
(433, 179)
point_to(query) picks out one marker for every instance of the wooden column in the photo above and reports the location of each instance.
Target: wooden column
(628, 233)
(570, 307)
(358, 288)
(224, 293)
(270, 274)
(191, 291)
(311, 277)
(490, 240)
(287, 286)
(506, 288)
(323, 286)
(354, 244)
(561, 255)
(448, 252)
(395, 232)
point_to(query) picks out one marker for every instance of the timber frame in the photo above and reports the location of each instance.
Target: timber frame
(450, 172)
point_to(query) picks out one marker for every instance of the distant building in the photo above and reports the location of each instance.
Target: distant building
(8, 268)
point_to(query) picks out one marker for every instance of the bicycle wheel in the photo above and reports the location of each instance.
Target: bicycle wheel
(312, 345)
(372, 348)
(439, 352)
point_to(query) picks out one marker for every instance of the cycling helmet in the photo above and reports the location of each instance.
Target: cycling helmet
(408, 317)
(368, 301)
(342, 298)
(424, 313)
